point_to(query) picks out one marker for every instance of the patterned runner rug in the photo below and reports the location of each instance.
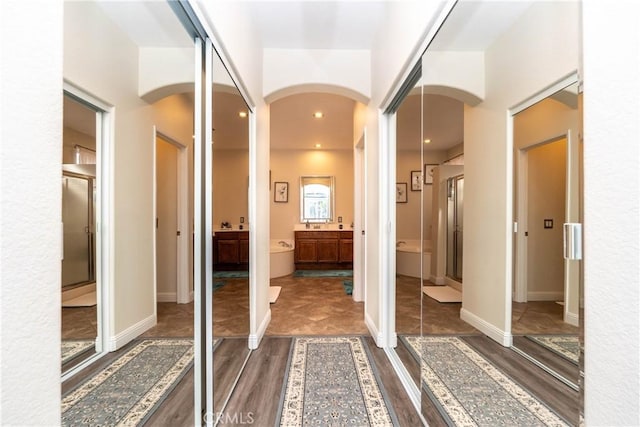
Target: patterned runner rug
(72, 348)
(566, 346)
(470, 391)
(129, 389)
(331, 381)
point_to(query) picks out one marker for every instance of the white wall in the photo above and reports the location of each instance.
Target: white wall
(30, 212)
(167, 220)
(346, 69)
(518, 65)
(612, 235)
(290, 165)
(104, 62)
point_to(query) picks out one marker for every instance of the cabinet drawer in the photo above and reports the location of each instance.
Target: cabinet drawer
(316, 234)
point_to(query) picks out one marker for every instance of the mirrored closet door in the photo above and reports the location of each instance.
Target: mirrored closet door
(80, 285)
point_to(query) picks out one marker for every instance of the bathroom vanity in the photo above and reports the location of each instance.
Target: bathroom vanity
(231, 250)
(323, 249)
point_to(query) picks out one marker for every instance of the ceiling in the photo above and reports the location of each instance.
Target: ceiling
(345, 24)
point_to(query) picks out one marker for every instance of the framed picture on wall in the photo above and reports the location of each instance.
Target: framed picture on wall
(428, 173)
(401, 192)
(416, 180)
(281, 192)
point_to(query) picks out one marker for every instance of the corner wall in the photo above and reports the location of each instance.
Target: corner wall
(612, 191)
(30, 211)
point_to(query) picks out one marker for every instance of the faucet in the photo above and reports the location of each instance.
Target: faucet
(400, 242)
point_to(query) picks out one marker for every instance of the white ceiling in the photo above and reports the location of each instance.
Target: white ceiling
(346, 24)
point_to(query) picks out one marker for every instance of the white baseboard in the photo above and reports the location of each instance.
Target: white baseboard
(373, 330)
(545, 296)
(167, 297)
(437, 280)
(496, 334)
(572, 318)
(452, 283)
(132, 332)
(254, 339)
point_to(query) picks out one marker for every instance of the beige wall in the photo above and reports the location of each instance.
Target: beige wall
(230, 187)
(289, 166)
(71, 138)
(408, 214)
(167, 219)
(546, 172)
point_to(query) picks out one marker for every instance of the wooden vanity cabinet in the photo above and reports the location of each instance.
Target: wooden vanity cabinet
(231, 250)
(324, 250)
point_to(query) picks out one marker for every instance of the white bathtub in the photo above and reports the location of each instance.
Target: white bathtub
(281, 258)
(408, 258)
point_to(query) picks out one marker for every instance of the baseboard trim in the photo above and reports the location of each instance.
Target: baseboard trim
(373, 330)
(496, 334)
(572, 319)
(118, 341)
(454, 284)
(437, 280)
(545, 296)
(254, 339)
(167, 297)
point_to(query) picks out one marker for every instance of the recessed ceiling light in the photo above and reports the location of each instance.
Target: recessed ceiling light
(318, 146)
(318, 114)
(242, 114)
(427, 141)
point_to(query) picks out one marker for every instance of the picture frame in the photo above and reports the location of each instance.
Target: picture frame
(416, 180)
(401, 192)
(281, 192)
(428, 173)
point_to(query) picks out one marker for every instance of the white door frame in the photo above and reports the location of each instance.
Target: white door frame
(103, 222)
(359, 237)
(184, 294)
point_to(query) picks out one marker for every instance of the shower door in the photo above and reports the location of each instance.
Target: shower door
(77, 198)
(455, 187)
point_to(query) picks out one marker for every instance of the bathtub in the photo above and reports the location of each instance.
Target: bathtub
(408, 258)
(281, 258)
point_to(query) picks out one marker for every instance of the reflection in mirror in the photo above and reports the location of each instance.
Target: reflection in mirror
(409, 232)
(479, 57)
(548, 192)
(317, 198)
(80, 286)
(230, 233)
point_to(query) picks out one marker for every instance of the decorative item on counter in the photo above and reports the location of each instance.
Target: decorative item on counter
(307, 225)
(225, 225)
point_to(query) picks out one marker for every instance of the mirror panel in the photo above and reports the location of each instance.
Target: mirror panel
(317, 195)
(442, 326)
(548, 192)
(230, 213)
(80, 284)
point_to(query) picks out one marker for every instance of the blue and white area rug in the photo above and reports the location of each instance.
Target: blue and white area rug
(470, 391)
(72, 348)
(566, 346)
(128, 390)
(331, 381)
